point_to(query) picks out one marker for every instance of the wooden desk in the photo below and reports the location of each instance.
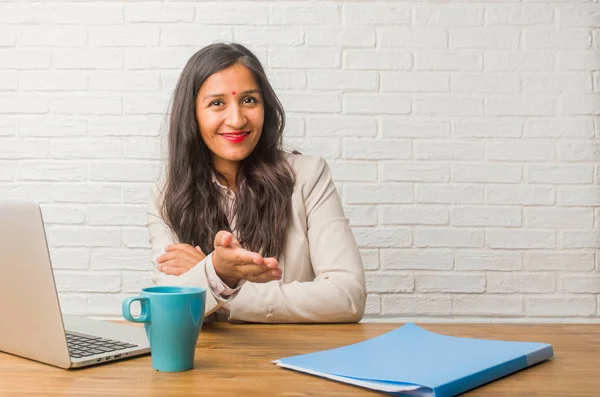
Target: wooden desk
(234, 360)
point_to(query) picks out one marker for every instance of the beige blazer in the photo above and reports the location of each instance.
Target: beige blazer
(323, 277)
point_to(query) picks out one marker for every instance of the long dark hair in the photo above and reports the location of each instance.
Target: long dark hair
(192, 204)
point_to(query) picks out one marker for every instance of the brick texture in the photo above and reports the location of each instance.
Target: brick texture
(462, 137)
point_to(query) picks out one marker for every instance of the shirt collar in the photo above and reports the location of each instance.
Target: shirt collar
(224, 189)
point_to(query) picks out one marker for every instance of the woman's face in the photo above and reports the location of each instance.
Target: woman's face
(230, 114)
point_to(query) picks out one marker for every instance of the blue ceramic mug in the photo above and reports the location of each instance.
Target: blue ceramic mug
(172, 317)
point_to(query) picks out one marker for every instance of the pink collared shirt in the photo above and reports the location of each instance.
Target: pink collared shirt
(219, 289)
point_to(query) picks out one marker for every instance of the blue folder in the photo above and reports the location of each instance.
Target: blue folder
(411, 361)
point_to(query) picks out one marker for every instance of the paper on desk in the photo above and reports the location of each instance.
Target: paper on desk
(404, 388)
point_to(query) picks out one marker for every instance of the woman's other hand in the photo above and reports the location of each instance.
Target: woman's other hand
(179, 258)
(232, 263)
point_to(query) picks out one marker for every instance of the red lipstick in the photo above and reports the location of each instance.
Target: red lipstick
(236, 136)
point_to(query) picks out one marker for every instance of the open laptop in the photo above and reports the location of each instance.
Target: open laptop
(31, 324)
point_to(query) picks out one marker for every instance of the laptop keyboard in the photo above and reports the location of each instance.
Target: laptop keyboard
(81, 345)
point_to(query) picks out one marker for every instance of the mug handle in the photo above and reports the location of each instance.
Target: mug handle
(144, 315)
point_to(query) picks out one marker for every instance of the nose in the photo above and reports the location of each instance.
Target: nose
(235, 117)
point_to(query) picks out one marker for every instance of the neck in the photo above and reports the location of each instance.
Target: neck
(229, 171)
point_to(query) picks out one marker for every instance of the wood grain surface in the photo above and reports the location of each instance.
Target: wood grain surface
(235, 360)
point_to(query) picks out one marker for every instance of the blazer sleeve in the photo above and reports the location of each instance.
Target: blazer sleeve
(338, 292)
(161, 235)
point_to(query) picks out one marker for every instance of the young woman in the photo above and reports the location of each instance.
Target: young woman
(262, 230)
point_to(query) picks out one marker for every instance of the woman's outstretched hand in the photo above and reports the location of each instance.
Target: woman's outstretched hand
(232, 263)
(179, 258)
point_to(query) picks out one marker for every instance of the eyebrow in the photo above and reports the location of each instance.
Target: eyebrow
(253, 91)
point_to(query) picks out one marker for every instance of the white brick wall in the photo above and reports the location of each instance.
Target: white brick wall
(462, 136)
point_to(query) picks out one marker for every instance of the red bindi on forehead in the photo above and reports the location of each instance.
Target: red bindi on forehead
(233, 93)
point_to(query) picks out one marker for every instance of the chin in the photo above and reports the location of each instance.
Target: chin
(236, 155)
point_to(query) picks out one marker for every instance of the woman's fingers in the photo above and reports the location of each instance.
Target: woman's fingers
(174, 270)
(177, 246)
(183, 251)
(261, 273)
(272, 263)
(178, 254)
(232, 262)
(240, 256)
(192, 251)
(266, 276)
(184, 247)
(166, 257)
(223, 239)
(169, 264)
(241, 263)
(251, 270)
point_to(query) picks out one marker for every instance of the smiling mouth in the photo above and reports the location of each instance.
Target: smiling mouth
(236, 137)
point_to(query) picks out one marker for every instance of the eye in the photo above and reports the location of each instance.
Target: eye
(249, 99)
(216, 102)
